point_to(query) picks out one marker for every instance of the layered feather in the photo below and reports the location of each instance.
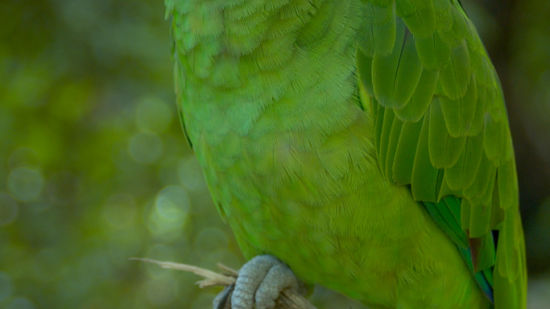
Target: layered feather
(441, 128)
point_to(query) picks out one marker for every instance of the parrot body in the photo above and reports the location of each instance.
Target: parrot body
(363, 143)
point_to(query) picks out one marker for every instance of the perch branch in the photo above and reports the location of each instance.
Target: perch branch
(288, 299)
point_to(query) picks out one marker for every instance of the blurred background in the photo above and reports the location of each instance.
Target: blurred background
(94, 168)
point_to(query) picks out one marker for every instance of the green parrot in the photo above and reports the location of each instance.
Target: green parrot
(362, 145)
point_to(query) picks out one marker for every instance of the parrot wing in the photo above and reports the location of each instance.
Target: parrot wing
(441, 128)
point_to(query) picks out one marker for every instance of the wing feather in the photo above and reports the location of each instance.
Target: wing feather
(441, 128)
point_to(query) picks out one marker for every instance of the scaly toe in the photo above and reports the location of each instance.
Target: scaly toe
(259, 283)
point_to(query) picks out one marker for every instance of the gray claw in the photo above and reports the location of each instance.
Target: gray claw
(223, 299)
(278, 278)
(259, 284)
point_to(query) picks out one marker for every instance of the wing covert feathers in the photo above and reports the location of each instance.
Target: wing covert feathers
(441, 127)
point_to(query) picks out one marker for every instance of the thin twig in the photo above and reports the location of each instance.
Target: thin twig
(210, 278)
(288, 299)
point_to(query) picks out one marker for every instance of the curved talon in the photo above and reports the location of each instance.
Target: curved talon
(258, 285)
(278, 278)
(222, 300)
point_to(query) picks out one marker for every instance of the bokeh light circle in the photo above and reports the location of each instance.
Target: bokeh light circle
(6, 287)
(25, 183)
(20, 303)
(145, 147)
(169, 213)
(153, 115)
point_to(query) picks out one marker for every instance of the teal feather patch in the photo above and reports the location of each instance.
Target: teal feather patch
(478, 254)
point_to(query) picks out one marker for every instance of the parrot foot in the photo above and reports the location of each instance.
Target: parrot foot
(258, 285)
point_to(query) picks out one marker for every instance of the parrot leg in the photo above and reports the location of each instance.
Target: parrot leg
(258, 285)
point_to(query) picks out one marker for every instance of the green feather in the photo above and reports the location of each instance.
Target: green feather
(433, 52)
(462, 174)
(381, 27)
(455, 76)
(459, 114)
(403, 161)
(452, 116)
(424, 174)
(444, 149)
(415, 108)
(419, 16)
